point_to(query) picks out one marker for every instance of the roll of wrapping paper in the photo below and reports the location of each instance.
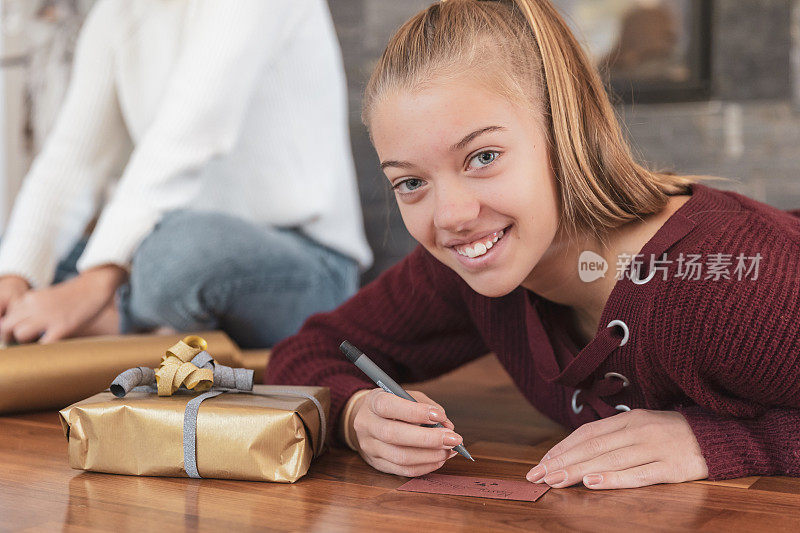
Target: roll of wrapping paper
(36, 377)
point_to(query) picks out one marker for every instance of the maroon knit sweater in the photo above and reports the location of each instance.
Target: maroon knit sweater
(723, 352)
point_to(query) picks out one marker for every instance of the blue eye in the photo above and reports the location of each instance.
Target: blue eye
(408, 185)
(483, 159)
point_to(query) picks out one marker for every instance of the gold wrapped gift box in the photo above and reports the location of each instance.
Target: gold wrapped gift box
(260, 436)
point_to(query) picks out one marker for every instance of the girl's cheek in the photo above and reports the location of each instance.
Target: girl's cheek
(418, 223)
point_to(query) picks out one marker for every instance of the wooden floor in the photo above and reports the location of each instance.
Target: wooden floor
(38, 490)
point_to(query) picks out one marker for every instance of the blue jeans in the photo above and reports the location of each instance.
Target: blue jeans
(200, 270)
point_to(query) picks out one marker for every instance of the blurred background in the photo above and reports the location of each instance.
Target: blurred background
(701, 86)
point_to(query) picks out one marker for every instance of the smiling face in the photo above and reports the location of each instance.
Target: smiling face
(472, 178)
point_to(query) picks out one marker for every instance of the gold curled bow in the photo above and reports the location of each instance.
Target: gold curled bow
(176, 370)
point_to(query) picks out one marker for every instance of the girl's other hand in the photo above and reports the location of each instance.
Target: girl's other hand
(390, 438)
(631, 449)
(12, 287)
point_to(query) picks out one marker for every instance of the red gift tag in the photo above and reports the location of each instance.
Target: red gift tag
(475, 486)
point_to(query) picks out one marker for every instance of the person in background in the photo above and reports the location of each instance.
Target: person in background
(236, 205)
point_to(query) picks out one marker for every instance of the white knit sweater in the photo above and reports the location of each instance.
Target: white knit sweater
(230, 106)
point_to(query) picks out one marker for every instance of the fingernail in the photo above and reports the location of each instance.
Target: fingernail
(592, 479)
(556, 477)
(536, 473)
(435, 415)
(451, 439)
(546, 456)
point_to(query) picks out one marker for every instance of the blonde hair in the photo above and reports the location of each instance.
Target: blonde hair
(540, 64)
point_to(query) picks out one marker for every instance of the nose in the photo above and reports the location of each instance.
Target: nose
(456, 206)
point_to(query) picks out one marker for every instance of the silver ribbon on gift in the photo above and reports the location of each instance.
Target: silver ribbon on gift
(226, 380)
(225, 377)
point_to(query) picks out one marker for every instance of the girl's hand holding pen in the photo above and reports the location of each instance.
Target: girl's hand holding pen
(390, 438)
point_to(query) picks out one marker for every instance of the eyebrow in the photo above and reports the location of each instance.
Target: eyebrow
(460, 145)
(398, 164)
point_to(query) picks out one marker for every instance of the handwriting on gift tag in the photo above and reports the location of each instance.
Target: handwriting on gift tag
(471, 486)
(476, 485)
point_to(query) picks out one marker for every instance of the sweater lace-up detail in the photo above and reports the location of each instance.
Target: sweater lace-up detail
(578, 373)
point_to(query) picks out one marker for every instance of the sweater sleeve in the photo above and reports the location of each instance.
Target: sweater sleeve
(88, 143)
(225, 45)
(736, 355)
(412, 322)
(735, 447)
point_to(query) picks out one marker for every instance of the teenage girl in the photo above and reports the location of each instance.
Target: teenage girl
(510, 170)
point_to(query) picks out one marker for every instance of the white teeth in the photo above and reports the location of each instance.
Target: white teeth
(481, 247)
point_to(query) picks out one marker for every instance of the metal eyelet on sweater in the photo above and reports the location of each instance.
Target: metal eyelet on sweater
(637, 281)
(621, 407)
(624, 327)
(575, 408)
(625, 381)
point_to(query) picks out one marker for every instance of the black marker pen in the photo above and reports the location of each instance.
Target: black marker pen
(382, 380)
